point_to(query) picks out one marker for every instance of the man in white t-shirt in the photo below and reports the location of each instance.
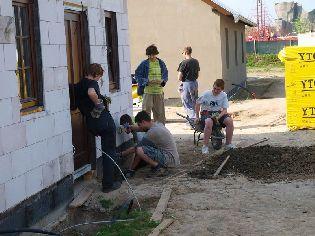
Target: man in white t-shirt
(211, 102)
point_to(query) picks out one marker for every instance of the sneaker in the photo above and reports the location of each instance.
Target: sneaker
(116, 185)
(156, 169)
(230, 146)
(129, 174)
(205, 149)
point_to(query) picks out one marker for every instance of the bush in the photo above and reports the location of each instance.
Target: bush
(263, 60)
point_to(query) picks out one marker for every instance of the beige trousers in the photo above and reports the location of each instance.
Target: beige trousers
(154, 103)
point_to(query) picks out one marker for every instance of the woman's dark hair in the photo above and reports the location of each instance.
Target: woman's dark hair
(188, 50)
(94, 70)
(125, 119)
(142, 116)
(151, 50)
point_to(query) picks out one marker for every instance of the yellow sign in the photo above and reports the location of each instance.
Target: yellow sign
(299, 86)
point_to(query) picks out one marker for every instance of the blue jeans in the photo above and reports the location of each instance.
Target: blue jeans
(105, 127)
(189, 96)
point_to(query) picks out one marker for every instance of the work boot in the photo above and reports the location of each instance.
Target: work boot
(129, 174)
(158, 171)
(116, 185)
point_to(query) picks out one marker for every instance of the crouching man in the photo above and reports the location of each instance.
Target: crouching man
(157, 148)
(210, 103)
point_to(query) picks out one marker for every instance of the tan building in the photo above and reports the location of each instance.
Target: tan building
(215, 33)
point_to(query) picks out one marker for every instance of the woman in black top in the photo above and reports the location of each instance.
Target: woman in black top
(99, 121)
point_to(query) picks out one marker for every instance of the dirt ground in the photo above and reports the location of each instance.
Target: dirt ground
(266, 163)
(268, 189)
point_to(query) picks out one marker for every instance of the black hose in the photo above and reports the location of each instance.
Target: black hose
(27, 230)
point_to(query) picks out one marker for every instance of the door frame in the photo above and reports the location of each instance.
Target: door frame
(85, 61)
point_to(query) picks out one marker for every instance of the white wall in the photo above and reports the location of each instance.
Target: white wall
(36, 149)
(173, 25)
(307, 40)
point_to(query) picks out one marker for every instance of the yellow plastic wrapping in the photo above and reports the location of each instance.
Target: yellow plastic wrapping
(299, 86)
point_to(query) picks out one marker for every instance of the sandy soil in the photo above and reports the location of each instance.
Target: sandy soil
(232, 204)
(237, 205)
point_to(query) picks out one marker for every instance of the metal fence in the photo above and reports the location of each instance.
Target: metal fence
(268, 47)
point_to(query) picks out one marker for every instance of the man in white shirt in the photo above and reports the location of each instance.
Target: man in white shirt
(211, 102)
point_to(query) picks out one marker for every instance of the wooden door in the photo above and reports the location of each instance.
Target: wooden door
(81, 140)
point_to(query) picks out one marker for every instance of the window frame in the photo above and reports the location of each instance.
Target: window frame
(242, 45)
(112, 51)
(35, 101)
(227, 48)
(236, 47)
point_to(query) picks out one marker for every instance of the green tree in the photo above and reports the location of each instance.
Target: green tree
(301, 26)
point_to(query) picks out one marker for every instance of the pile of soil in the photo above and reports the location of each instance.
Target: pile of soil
(266, 163)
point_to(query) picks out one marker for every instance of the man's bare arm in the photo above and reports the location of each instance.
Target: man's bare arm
(197, 108)
(180, 76)
(93, 96)
(222, 113)
(136, 128)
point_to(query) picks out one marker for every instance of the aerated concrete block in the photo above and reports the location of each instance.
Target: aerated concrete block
(15, 191)
(7, 29)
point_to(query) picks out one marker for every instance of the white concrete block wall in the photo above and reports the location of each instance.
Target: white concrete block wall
(5, 168)
(15, 191)
(36, 149)
(39, 154)
(2, 199)
(99, 36)
(51, 173)
(10, 58)
(6, 8)
(39, 129)
(56, 35)
(92, 36)
(6, 112)
(11, 89)
(32, 146)
(34, 181)
(66, 165)
(67, 143)
(44, 31)
(21, 161)
(1, 58)
(13, 137)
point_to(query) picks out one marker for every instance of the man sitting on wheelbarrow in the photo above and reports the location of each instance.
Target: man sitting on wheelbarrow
(213, 106)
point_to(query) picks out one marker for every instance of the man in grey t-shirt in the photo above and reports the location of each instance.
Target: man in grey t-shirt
(157, 148)
(215, 101)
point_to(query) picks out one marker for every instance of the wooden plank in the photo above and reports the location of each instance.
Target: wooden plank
(81, 198)
(221, 166)
(262, 141)
(165, 223)
(88, 175)
(162, 204)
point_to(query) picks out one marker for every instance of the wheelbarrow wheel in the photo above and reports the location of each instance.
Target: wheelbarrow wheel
(216, 143)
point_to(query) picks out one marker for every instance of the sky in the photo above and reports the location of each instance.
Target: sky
(247, 7)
